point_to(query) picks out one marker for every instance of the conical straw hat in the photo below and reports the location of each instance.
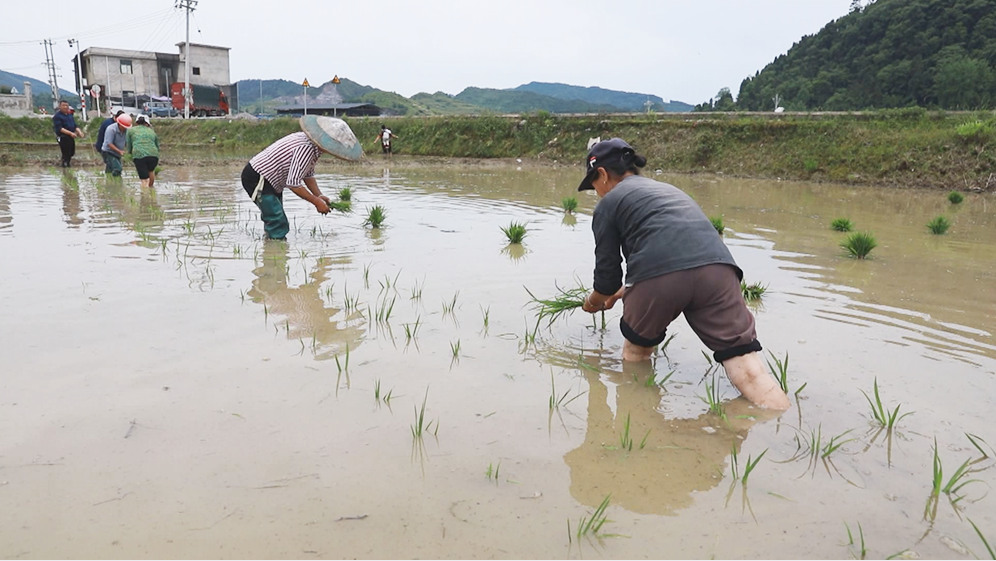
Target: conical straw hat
(333, 136)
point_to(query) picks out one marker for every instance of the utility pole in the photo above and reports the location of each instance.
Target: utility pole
(80, 88)
(50, 64)
(187, 5)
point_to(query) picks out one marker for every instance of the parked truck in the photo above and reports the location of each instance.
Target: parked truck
(205, 100)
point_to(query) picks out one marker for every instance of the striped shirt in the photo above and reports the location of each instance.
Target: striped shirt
(287, 162)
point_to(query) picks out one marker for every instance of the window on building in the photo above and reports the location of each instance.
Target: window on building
(125, 66)
(196, 70)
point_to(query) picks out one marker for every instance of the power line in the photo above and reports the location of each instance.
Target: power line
(116, 27)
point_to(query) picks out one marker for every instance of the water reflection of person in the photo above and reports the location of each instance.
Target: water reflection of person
(71, 208)
(301, 309)
(681, 457)
(6, 218)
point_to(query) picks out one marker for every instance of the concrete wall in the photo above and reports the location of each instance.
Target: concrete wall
(17, 105)
(212, 62)
(103, 67)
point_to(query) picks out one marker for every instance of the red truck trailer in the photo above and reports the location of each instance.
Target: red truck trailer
(205, 101)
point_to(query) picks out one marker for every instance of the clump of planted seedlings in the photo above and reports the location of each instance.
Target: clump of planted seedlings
(712, 397)
(752, 292)
(493, 471)
(375, 217)
(515, 232)
(561, 400)
(842, 225)
(570, 204)
(859, 244)
(345, 194)
(880, 414)
(717, 223)
(985, 542)
(939, 225)
(626, 441)
(420, 427)
(955, 198)
(952, 488)
(850, 541)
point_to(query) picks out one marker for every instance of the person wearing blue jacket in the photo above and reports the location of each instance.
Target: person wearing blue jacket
(66, 132)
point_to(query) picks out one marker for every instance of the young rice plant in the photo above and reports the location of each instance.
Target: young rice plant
(515, 232)
(842, 225)
(939, 225)
(859, 244)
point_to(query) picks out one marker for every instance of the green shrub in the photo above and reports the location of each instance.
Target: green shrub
(811, 166)
(976, 132)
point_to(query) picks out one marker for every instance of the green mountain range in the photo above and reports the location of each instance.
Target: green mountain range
(41, 92)
(535, 96)
(889, 53)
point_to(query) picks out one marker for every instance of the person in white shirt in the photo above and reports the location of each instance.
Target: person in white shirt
(385, 137)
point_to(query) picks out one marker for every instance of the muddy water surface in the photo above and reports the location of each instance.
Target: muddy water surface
(173, 386)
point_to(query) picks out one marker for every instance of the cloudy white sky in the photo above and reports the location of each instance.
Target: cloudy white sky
(683, 50)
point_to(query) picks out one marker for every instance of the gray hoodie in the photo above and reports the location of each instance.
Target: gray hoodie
(658, 228)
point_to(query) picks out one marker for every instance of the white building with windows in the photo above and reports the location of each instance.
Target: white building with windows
(125, 75)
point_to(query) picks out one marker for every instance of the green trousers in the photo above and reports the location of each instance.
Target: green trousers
(271, 208)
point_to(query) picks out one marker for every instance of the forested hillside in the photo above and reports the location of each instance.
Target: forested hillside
(625, 101)
(890, 53)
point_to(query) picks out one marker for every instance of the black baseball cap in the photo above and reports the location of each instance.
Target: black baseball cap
(603, 153)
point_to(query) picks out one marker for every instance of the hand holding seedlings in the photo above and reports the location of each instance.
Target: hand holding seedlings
(597, 302)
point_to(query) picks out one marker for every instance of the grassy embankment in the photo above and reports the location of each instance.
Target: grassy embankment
(902, 147)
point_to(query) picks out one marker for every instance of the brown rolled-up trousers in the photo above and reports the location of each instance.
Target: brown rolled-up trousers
(709, 296)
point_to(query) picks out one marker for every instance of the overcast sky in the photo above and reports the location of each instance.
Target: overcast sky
(680, 50)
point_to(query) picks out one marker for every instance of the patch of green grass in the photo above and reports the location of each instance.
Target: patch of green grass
(880, 414)
(375, 217)
(515, 232)
(752, 292)
(939, 225)
(859, 244)
(842, 225)
(955, 198)
(570, 204)
(717, 223)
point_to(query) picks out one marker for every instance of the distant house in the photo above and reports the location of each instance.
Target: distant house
(125, 75)
(332, 109)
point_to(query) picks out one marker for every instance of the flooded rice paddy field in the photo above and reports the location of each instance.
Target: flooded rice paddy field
(173, 386)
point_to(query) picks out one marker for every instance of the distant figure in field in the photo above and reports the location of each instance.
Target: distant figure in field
(385, 137)
(114, 144)
(66, 132)
(98, 146)
(143, 145)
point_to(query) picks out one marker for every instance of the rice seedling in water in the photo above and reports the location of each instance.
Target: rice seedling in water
(955, 198)
(375, 217)
(752, 292)
(593, 525)
(992, 554)
(345, 194)
(570, 204)
(343, 367)
(486, 312)
(384, 310)
(751, 464)
(883, 416)
(939, 225)
(859, 244)
(493, 471)
(561, 401)
(377, 389)
(652, 380)
(515, 232)
(420, 427)
(455, 348)
(975, 440)
(958, 481)
(712, 397)
(850, 540)
(842, 225)
(626, 442)
(448, 308)
(566, 301)
(411, 329)
(780, 371)
(663, 347)
(717, 223)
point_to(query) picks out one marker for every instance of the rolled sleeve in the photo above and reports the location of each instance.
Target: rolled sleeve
(608, 276)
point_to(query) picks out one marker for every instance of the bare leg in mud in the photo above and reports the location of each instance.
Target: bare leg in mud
(746, 373)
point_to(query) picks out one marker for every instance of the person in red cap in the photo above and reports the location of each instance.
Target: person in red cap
(114, 144)
(675, 263)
